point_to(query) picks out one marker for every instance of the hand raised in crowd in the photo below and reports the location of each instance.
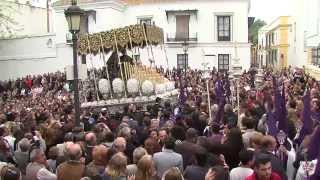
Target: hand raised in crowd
(211, 175)
(132, 177)
(283, 149)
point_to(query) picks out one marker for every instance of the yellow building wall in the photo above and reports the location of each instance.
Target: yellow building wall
(283, 62)
(309, 60)
(284, 20)
(282, 45)
(284, 42)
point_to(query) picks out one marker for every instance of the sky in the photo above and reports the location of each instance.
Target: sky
(268, 10)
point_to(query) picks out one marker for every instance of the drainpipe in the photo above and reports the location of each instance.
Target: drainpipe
(48, 17)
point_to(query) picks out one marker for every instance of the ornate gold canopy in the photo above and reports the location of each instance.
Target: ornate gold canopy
(92, 43)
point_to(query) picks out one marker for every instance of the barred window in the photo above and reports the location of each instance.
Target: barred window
(224, 28)
(182, 61)
(223, 62)
(316, 56)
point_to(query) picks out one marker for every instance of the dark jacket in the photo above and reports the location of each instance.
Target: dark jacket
(95, 171)
(188, 151)
(230, 118)
(195, 172)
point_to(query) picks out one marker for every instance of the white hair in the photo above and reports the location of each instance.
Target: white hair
(138, 153)
(34, 153)
(24, 145)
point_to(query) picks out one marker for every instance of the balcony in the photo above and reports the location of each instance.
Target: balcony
(172, 37)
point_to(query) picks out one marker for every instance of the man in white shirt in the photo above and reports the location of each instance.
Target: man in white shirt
(244, 170)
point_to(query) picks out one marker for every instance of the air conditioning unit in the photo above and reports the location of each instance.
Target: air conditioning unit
(69, 38)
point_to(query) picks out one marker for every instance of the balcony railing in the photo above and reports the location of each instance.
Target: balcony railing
(171, 37)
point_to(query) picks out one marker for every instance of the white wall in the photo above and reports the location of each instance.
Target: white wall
(204, 25)
(31, 20)
(23, 56)
(107, 19)
(109, 15)
(312, 18)
(299, 25)
(112, 14)
(206, 17)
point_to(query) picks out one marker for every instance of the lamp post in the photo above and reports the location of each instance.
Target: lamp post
(236, 73)
(185, 50)
(73, 16)
(206, 75)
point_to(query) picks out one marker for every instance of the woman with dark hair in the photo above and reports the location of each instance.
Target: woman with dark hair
(152, 146)
(178, 133)
(231, 146)
(199, 169)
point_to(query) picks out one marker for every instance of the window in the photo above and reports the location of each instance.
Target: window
(271, 58)
(182, 61)
(137, 58)
(223, 62)
(147, 21)
(316, 56)
(275, 57)
(182, 27)
(269, 39)
(224, 28)
(272, 36)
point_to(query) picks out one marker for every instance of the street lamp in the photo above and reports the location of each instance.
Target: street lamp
(236, 77)
(206, 75)
(73, 16)
(185, 50)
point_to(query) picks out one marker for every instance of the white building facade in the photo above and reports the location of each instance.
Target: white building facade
(306, 36)
(261, 49)
(29, 48)
(212, 29)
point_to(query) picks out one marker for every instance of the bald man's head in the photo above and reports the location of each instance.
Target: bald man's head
(74, 152)
(120, 144)
(91, 139)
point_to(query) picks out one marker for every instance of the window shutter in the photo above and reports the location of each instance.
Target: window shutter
(182, 27)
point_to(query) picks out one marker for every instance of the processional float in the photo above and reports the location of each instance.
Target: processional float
(127, 81)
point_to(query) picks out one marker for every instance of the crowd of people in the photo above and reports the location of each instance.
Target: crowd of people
(39, 138)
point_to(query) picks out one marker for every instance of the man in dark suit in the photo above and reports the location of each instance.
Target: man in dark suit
(188, 147)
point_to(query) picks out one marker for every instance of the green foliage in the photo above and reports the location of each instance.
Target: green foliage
(254, 30)
(7, 22)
